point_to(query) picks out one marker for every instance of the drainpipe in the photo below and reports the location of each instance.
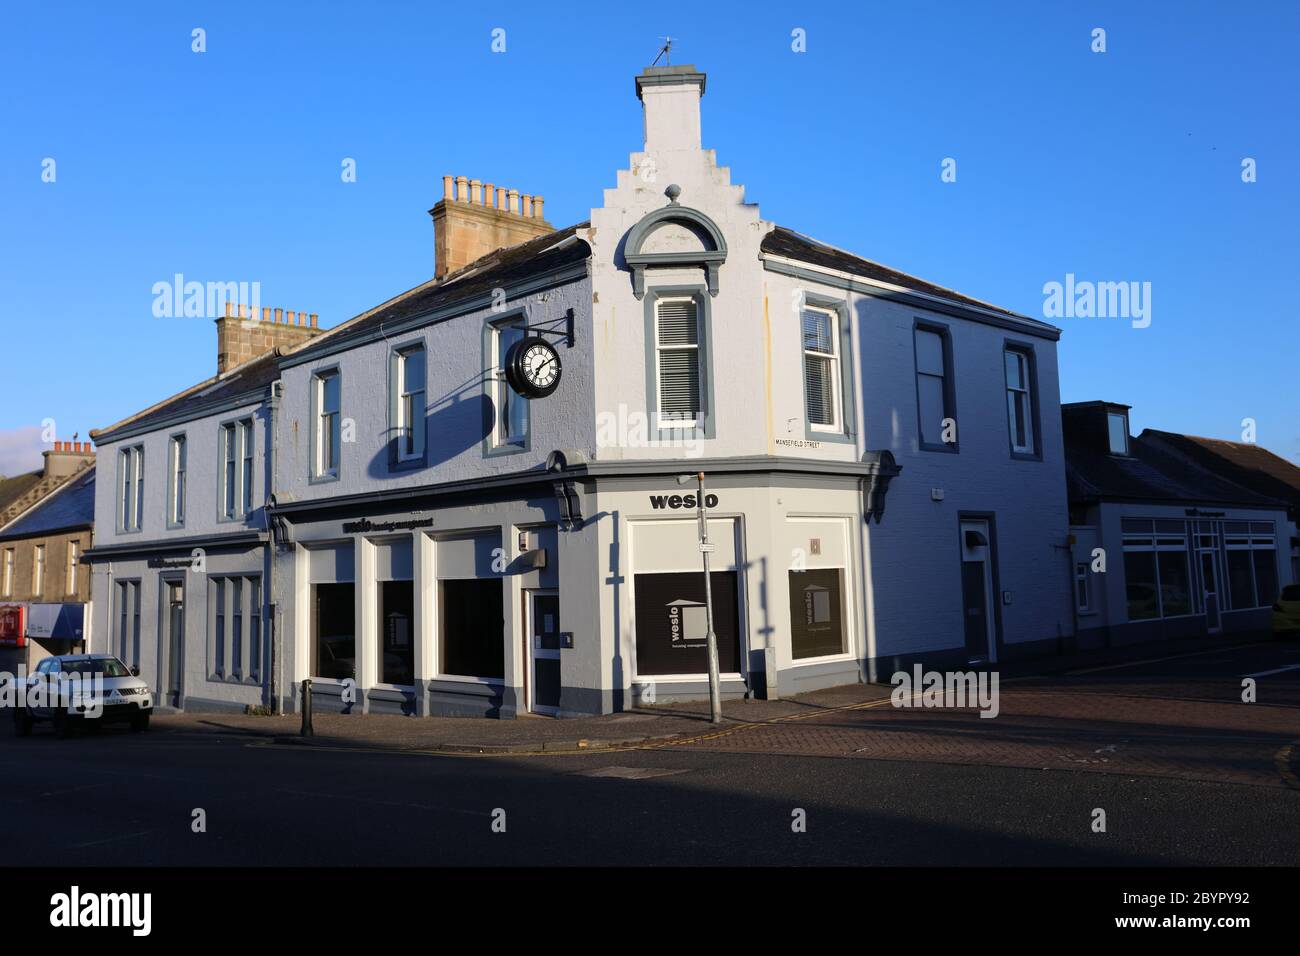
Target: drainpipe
(274, 415)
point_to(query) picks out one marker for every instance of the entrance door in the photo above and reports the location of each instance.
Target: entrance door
(977, 592)
(544, 651)
(1210, 590)
(175, 642)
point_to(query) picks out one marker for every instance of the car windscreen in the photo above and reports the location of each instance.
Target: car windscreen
(97, 666)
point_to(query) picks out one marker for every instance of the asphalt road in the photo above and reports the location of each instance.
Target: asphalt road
(127, 799)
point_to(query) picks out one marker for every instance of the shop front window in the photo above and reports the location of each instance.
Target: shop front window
(671, 625)
(473, 629)
(397, 632)
(816, 613)
(334, 643)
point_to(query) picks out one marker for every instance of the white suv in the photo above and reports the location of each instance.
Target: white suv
(74, 688)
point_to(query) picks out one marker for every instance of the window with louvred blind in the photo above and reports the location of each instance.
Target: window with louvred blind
(821, 368)
(677, 347)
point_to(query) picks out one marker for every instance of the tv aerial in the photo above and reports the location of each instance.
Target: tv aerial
(665, 51)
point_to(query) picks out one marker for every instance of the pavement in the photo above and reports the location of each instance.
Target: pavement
(1185, 773)
(1178, 715)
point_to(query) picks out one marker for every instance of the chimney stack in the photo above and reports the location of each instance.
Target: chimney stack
(66, 458)
(670, 97)
(475, 218)
(243, 335)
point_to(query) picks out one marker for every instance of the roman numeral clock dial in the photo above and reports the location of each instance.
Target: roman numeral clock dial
(533, 367)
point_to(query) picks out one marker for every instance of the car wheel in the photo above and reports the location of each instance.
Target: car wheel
(139, 723)
(22, 722)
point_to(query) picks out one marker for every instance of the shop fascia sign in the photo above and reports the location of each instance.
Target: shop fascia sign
(678, 502)
(365, 525)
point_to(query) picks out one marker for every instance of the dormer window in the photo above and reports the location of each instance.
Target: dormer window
(1117, 428)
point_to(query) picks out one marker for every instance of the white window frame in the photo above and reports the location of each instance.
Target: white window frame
(660, 419)
(71, 583)
(1109, 444)
(179, 449)
(38, 571)
(837, 412)
(327, 466)
(130, 488)
(408, 410)
(1027, 391)
(503, 396)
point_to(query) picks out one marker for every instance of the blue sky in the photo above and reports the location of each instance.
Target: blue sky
(225, 166)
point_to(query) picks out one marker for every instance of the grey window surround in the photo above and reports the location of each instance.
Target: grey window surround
(396, 356)
(224, 665)
(175, 442)
(1031, 371)
(134, 474)
(709, 259)
(705, 426)
(491, 445)
(314, 475)
(944, 331)
(847, 433)
(240, 495)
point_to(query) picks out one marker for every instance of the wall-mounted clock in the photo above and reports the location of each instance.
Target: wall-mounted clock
(533, 367)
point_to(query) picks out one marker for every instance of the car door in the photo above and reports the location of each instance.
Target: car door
(40, 688)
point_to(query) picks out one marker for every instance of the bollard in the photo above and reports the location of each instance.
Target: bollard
(306, 707)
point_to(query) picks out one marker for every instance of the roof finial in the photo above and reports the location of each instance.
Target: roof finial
(665, 51)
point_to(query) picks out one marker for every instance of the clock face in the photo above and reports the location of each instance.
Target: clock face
(533, 367)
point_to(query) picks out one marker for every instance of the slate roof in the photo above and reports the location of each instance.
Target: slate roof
(1151, 474)
(497, 270)
(792, 245)
(251, 377)
(1247, 465)
(70, 506)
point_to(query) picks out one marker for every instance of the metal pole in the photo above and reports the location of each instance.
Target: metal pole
(306, 707)
(715, 684)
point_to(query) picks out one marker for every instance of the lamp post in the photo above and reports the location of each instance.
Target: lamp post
(715, 687)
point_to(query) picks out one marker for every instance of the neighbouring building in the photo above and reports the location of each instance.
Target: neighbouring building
(1251, 467)
(181, 562)
(470, 499)
(46, 526)
(1167, 544)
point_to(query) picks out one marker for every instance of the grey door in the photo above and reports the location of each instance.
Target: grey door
(175, 642)
(544, 636)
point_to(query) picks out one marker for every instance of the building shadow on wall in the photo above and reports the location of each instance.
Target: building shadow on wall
(453, 424)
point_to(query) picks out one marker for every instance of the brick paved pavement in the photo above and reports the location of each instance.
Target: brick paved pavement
(1052, 726)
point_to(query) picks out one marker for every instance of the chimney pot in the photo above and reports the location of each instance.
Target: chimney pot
(501, 198)
(490, 196)
(476, 192)
(462, 189)
(279, 315)
(528, 207)
(313, 320)
(229, 308)
(447, 188)
(537, 207)
(514, 201)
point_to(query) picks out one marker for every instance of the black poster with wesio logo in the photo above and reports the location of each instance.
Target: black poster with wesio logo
(671, 629)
